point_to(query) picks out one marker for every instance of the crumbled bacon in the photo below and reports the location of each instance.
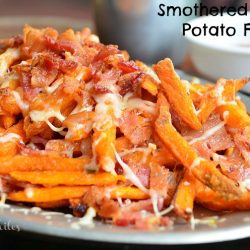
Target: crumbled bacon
(159, 180)
(218, 141)
(135, 127)
(129, 82)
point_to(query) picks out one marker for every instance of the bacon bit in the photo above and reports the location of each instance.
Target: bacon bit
(129, 82)
(108, 209)
(233, 166)
(218, 141)
(102, 55)
(12, 42)
(242, 141)
(139, 214)
(158, 180)
(29, 92)
(105, 82)
(42, 77)
(79, 209)
(52, 61)
(62, 147)
(135, 127)
(118, 169)
(79, 125)
(99, 89)
(127, 67)
(59, 46)
(105, 52)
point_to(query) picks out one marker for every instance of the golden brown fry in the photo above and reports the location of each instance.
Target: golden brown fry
(47, 194)
(234, 116)
(52, 204)
(184, 198)
(149, 84)
(41, 163)
(104, 141)
(7, 121)
(204, 170)
(69, 178)
(177, 93)
(215, 201)
(131, 193)
(123, 143)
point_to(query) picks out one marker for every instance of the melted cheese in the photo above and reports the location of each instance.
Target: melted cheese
(196, 162)
(167, 210)
(109, 165)
(86, 220)
(209, 221)
(54, 86)
(7, 58)
(39, 116)
(219, 95)
(129, 174)
(154, 199)
(208, 133)
(29, 192)
(107, 101)
(52, 127)
(3, 199)
(21, 104)
(137, 103)
(245, 184)
(10, 137)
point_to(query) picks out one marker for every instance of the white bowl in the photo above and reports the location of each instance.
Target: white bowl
(222, 56)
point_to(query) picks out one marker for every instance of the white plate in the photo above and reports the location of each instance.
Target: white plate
(231, 226)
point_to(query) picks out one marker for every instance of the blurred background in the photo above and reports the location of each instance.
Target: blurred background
(132, 24)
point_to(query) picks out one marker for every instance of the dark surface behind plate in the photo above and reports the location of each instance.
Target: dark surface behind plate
(28, 241)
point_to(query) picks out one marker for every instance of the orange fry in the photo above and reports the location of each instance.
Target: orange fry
(184, 198)
(204, 170)
(41, 163)
(7, 121)
(214, 201)
(104, 141)
(177, 93)
(47, 194)
(52, 204)
(131, 193)
(76, 178)
(234, 116)
(122, 143)
(149, 84)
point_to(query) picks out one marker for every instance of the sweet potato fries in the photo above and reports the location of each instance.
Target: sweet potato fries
(82, 125)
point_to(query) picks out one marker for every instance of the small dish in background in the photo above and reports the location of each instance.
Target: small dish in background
(222, 56)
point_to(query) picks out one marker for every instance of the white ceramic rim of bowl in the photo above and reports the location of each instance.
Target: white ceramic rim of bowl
(216, 46)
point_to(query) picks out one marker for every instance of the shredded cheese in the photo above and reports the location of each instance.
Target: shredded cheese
(7, 58)
(21, 104)
(9, 137)
(29, 192)
(39, 116)
(86, 220)
(137, 103)
(245, 184)
(196, 162)
(54, 86)
(129, 174)
(167, 210)
(208, 133)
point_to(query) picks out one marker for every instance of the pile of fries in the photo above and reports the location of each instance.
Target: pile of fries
(84, 127)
